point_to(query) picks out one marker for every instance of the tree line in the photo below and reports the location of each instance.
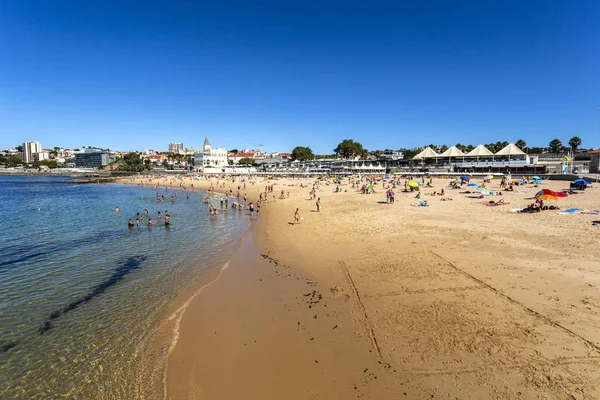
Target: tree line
(350, 149)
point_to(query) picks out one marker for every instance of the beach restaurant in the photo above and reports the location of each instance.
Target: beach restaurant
(480, 159)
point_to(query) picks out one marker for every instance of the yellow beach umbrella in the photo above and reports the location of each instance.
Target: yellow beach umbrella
(490, 176)
(413, 184)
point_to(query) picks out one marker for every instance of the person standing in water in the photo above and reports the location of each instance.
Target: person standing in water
(251, 208)
(130, 223)
(117, 209)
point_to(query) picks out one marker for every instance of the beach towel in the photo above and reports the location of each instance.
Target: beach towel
(591, 212)
(569, 211)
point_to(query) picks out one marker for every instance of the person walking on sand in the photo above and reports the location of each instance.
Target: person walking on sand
(297, 216)
(319, 204)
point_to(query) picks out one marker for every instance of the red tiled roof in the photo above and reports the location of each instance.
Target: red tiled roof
(597, 151)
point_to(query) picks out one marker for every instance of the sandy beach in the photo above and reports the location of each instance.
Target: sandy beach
(383, 301)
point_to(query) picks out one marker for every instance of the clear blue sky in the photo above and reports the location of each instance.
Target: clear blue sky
(136, 75)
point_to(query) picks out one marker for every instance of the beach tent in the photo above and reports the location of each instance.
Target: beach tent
(427, 153)
(465, 178)
(452, 152)
(480, 151)
(510, 150)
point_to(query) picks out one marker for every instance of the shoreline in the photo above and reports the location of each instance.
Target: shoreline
(371, 300)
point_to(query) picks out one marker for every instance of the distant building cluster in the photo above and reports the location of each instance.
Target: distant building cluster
(452, 160)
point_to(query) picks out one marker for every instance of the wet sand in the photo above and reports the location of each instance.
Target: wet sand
(456, 300)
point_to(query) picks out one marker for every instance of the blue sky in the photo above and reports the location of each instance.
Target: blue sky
(136, 75)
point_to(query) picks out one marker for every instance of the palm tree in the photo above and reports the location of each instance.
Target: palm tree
(575, 142)
(521, 144)
(555, 146)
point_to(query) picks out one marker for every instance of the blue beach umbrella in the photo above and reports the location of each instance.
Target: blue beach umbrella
(536, 177)
(581, 182)
(472, 184)
(465, 178)
(538, 182)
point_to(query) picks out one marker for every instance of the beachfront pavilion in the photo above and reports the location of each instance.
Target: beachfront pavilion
(510, 159)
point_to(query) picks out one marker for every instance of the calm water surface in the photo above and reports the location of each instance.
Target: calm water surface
(81, 294)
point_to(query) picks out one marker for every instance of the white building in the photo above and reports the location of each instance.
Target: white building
(210, 158)
(30, 149)
(42, 156)
(176, 147)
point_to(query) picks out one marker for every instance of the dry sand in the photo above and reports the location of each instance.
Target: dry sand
(388, 301)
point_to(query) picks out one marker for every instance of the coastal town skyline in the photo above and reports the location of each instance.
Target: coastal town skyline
(281, 75)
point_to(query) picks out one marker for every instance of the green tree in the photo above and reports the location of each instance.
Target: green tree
(10, 161)
(247, 161)
(555, 146)
(377, 154)
(301, 153)
(19, 148)
(575, 142)
(521, 144)
(410, 153)
(348, 148)
(230, 162)
(235, 151)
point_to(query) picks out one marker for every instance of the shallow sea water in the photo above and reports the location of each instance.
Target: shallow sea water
(82, 295)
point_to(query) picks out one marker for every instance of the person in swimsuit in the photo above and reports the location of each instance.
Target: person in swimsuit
(318, 204)
(167, 220)
(149, 222)
(297, 216)
(130, 223)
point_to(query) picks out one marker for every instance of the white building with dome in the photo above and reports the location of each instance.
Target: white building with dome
(210, 157)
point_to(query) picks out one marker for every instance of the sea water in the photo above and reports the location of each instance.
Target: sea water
(82, 294)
